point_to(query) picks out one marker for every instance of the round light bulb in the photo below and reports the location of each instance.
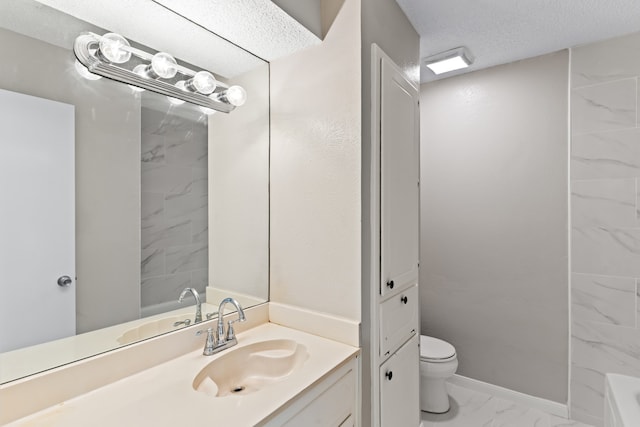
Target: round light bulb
(164, 65)
(206, 110)
(236, 95)
(175, 101)
(84, 72)
(111, 45)
(203, 82)
(139, 70)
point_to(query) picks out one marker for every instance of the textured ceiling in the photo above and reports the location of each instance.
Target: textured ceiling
(259, 26)
(186, 29)
(501, 31)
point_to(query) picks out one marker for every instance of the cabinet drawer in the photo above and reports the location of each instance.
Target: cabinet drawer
(333, 407)
(398, 319)
(400, 387)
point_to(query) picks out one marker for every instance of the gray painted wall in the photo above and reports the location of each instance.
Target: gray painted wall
(494, 255)
(107, 175)
(383, 23)
(605, 261)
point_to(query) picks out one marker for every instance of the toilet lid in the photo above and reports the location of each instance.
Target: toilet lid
(435, 349)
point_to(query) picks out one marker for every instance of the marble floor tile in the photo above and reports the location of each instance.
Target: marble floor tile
(470, 408)
(556, 421)
(510, 414)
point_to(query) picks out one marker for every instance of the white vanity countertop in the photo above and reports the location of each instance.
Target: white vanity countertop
(164, 396)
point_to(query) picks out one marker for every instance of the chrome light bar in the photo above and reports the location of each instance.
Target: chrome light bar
(86, 49)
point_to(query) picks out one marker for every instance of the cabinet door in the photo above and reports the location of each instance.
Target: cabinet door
(400, 387)
(330, 403)
(399, 144)
(398, 319)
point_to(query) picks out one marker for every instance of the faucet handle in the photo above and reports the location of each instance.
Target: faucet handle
(210, 315)
(185, 322)
(230, 331)
(210, 343)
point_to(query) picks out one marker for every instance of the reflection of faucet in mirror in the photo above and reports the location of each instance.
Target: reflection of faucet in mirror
(198, 303)
(185, 322)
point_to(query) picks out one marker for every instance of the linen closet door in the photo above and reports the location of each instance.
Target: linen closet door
(399, 246)
(400, 193)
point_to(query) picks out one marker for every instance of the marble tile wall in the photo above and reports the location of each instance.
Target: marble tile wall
(174, 205)
(605, 236)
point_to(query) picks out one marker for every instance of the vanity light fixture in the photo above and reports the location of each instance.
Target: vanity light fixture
(113, 57)
(451, 60)
(82, 70)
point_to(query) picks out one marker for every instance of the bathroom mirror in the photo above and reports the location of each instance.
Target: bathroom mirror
(156, 195)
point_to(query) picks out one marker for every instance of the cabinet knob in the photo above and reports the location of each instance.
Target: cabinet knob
(404, 299)
(390, 284)
(389, 375)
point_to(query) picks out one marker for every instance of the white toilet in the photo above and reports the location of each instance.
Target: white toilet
(438, 362)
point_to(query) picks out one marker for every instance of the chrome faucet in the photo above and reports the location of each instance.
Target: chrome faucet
(230, 336)
(198, 303)
(218, 341)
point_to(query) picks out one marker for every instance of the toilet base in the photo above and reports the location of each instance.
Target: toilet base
(433, 396)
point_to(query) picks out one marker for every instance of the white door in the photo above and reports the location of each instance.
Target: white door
(399, 144)
(37, 220)
(400, 387)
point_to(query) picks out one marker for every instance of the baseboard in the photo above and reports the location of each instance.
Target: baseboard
(539, 403)
(325, 325)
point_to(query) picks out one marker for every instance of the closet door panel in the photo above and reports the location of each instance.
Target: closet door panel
(399, 138)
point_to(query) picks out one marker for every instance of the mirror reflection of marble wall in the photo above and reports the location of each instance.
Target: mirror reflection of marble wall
(174, 207)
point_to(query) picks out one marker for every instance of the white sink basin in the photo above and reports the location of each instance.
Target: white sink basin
(247, 369)
(153, 328)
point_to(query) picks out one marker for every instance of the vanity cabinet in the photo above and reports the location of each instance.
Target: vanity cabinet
(330, 403)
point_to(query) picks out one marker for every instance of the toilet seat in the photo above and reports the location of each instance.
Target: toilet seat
(435, 350)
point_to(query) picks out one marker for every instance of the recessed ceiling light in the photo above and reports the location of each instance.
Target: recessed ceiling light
(451, 60)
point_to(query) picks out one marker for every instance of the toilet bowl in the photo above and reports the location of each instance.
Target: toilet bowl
(438, 362)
